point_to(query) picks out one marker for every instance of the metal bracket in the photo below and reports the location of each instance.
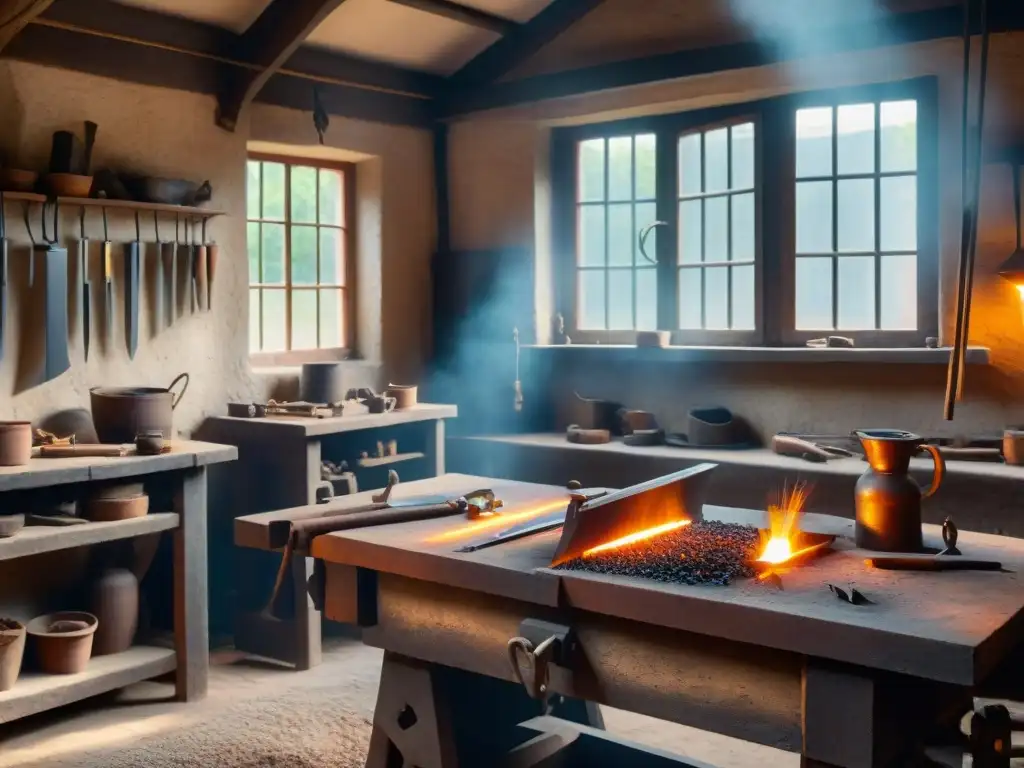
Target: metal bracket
(539, 645)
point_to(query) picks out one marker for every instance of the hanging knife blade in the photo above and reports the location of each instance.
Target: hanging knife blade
(84, 286)
(194, 268)
(131, 291)
(185, 276)
(55, 259)
(3, 272)
(108, 286)
(158, 277)
(167, 253)
(201, 267)
(212, 254)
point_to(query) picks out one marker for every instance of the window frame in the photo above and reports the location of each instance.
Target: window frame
(291, 357)
(775, 194)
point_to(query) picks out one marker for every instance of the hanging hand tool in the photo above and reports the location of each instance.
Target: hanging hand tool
(131, 291)
(3, 272)
(55, 259)
(167, 253)
(32, 255)
(200, 273)
(212, 253)
(84, 286)
(185, 254)
(108, 285)
(931, 563)
(158, 276)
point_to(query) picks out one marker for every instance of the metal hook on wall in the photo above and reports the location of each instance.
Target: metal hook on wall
(56, 222)
(644, 234)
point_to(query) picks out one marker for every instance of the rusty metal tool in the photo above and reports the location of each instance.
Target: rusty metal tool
(132, 264)
(931, 563)
(55, 260)
(108, 284)
(167, 255)
(193, 254)
(84, 286)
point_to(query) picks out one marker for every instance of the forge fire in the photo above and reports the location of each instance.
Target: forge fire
(704, 552)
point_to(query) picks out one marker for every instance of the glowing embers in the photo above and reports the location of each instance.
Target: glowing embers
(701, 552)
(636, 538)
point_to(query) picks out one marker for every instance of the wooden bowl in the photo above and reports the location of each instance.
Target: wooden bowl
(17, 180)
(68, 184)
(63, 641)
(109, 510)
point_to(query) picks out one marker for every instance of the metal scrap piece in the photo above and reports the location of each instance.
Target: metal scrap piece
(850, 595)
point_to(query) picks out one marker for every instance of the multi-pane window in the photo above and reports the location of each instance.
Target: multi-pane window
(717, 229)
(776, 221)
(856, 217)
(616, 285)
(297, 237)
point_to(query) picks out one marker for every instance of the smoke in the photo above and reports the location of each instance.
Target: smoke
(479, 298)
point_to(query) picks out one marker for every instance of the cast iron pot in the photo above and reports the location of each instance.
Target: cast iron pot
(119, 414)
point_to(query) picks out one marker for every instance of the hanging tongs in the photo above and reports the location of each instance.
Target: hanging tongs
(970, 190)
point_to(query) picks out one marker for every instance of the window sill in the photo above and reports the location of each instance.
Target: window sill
(295, 369)
(631, 353)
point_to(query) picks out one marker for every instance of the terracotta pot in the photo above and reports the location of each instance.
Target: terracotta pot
(115, 602)
(1013, 446)
(103, 510)
(17, 180)
(68, 184)
(12, 649)
(15, 443)
(121, 413)
(404, 394)
(63, 641)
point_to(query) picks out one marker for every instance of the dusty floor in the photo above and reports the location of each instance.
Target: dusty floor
(248, 702)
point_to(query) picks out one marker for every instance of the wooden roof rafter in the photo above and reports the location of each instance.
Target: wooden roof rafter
(15, 15)
(464, 14)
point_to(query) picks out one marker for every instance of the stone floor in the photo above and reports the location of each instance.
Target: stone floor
(350, 671)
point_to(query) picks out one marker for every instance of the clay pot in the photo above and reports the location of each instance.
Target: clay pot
(17, 180)
(68, 184)
(1013, 446)
(114, 600)
(10, 525)
(63, 641)
(404, 394)
(15, 443)
(12, 649)
(105, 510)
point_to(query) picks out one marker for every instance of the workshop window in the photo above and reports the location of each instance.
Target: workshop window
(774, 222)
(298, 231)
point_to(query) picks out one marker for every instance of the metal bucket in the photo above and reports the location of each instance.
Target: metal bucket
(121, 413)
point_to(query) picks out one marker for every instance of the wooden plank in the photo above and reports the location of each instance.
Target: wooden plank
(15, 15)
(39, 473)
(269, 42)
(479, 92)
(520, 44)
(397, 458)
(35, 692)
(191, 618)
(464, 14)
(36, 539)
(681, 677)
(133, 205)
(312, 427)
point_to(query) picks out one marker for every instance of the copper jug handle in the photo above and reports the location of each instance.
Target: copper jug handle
(940, 469)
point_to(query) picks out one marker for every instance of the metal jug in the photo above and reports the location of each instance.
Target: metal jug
(888, 499)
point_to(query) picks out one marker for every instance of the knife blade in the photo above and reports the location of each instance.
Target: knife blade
(212, 254)
(200, 277)
(56, 359)
(85, 293)
(131, 297)
(167, 252)
(158, 278)
(108, 293)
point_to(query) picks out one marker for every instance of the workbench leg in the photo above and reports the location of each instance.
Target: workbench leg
(430, 716)
(191, 615)
(306, 623)
(856, 718)
(438, 447)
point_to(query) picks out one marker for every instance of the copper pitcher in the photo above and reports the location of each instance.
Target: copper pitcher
(888, 499)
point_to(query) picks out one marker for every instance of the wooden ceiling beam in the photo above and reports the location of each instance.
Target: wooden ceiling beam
(15, 15)
(278, 33)
(463, 14)
(521, 43)
(900, 29)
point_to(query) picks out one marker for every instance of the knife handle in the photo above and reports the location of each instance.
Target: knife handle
(108, 261)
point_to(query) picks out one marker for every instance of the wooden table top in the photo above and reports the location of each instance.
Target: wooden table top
(952, 627)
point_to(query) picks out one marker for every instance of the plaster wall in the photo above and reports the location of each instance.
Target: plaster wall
(172, 133)
(497, 182)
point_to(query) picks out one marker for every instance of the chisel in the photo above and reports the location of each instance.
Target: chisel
(131, 291)
(185, 254)
(108, 285)
(168, 252)
(158, 277)
(84, 286)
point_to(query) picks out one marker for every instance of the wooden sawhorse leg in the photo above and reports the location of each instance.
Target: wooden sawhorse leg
(191, 614)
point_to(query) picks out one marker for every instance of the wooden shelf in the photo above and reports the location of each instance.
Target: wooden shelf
(36, 692)
(383, 461)
(36, 539)
(129, 205)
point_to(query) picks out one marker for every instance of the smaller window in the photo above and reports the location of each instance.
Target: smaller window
(300, 273)
(857, 217)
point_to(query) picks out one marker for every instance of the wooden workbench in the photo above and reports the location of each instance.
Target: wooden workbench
(797, 668)
(179, 475)
(279, 467)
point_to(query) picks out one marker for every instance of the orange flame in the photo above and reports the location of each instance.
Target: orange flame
(501, 520)
(638, 536)
(784, 529)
